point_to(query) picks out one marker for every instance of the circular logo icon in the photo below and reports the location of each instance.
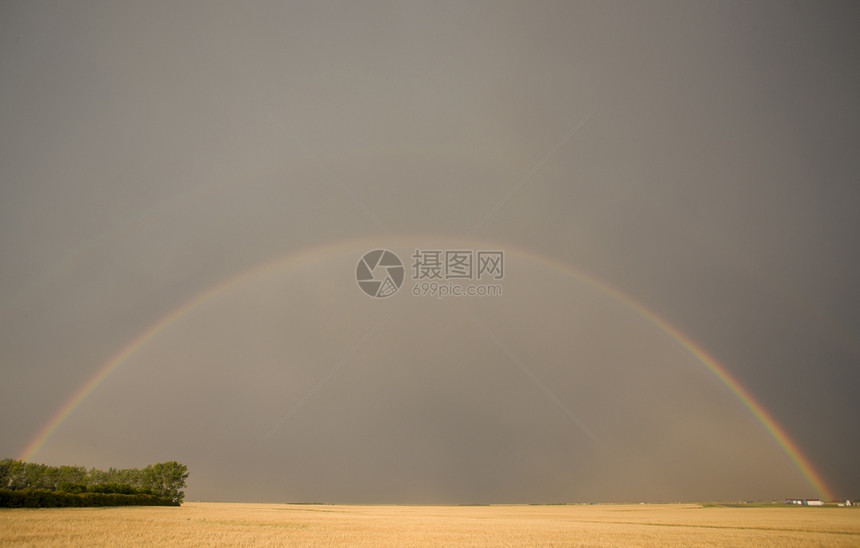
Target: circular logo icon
(379, 273)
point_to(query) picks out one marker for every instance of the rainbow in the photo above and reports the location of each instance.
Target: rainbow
(788, 446)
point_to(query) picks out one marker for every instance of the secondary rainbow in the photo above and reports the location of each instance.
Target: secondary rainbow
(801, 462)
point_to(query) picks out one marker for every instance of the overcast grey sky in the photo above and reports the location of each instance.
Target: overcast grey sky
(698, 157)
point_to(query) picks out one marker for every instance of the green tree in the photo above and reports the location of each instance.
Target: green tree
(9, 471)
(72, 475)
(166, 479)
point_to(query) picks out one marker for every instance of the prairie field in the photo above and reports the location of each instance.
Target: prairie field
(241, 524)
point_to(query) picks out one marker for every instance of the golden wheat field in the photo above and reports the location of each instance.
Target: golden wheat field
(233, 524)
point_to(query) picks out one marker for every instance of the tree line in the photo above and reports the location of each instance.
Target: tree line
(32, 484)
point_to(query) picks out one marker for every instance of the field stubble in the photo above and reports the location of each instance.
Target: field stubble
(234, 524)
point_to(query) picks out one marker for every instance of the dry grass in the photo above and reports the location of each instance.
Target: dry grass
(208, 524)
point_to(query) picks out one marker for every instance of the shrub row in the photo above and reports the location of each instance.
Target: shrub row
(44, 498)
(163, 479)
(116, 488)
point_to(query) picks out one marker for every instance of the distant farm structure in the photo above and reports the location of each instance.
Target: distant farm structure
(805, 502)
